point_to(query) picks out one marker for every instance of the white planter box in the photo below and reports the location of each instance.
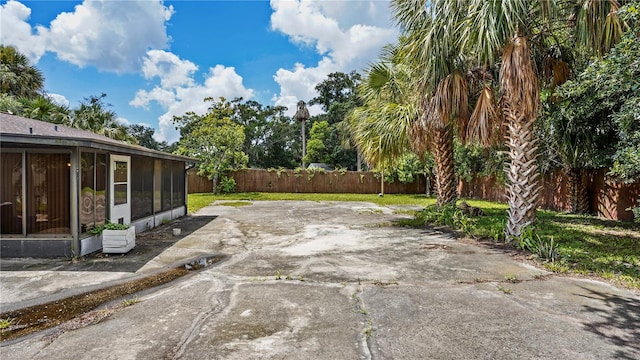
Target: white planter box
(118, 241)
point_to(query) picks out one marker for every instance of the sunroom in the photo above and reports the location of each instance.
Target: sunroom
(57, 183)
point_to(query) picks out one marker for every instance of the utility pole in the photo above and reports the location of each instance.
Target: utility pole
(302, 115)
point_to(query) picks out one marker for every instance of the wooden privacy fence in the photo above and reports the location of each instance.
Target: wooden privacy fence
(290, 181)
(608, 198)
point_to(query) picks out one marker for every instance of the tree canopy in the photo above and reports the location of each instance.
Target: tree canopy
(18, 77)
(213, 138)
(594, 119)
(337, 95)
(271, 138)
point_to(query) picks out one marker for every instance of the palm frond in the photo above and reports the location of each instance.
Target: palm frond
(598, 25)
(490, 24)
(410, 14)
(485, 125)
(518, 78)
(449, 102)
(556, 69)
(421, 136)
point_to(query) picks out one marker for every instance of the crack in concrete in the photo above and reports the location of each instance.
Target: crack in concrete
(366, 333)
(508, 280)
(192, 332)
(367, 293)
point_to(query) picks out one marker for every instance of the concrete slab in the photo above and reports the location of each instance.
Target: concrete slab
(328, 280)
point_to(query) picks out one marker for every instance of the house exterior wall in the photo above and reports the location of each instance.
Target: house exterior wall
(81, 207)
(37, 213)
(35, 248)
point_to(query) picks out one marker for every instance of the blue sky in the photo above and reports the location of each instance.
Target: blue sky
(156, 59)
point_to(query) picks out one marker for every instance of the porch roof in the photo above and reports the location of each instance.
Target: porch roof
(17, 130)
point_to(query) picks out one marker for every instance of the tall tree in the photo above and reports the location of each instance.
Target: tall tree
(434, 51)
(18, 77)
(270, 136)
(316, 149)
(337, 96)
(94, 114)
(381, 126)
(214, 139)
(44, 109)
(144, 137)
(594, 120)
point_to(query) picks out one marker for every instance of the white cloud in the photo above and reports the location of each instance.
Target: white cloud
(178, 92)
(130, 36)
(304, 23)
(348, 13)
(299, 84)
(16, 31)
(110, 35)
(123, 121)
(348, 35)
(58, 99)
(169, 67)
(162, 96)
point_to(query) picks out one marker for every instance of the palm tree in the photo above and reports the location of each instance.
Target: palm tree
(381, 127)
(512, 28)
(445, 33)
(443, 84)
(93, 115)
(445, 110)
(17, 76)
(44, 109)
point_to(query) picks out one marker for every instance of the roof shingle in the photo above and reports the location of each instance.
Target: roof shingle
(21, 127)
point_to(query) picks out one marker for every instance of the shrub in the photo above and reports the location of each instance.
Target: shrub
(530, 241)
(448, 215)
(98, 229)
(227, 185)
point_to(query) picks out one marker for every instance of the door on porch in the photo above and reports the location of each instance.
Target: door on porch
(120, 197)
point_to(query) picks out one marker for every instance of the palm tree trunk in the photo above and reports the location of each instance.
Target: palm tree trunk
(573, 178)
(583, 194)
(523, 187)
(445, 170)
(578, 196)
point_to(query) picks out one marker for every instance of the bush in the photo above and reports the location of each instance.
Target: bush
(530, 241)
(448, 215)
(227, 185)
(97, 230)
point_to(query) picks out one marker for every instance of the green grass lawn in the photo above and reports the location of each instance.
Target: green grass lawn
(586, 245)
(198, 201)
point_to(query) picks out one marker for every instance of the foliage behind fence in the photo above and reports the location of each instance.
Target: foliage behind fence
(609, 199)
(290, 181)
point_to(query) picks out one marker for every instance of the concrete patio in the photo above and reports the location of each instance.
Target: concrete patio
(325, 280)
